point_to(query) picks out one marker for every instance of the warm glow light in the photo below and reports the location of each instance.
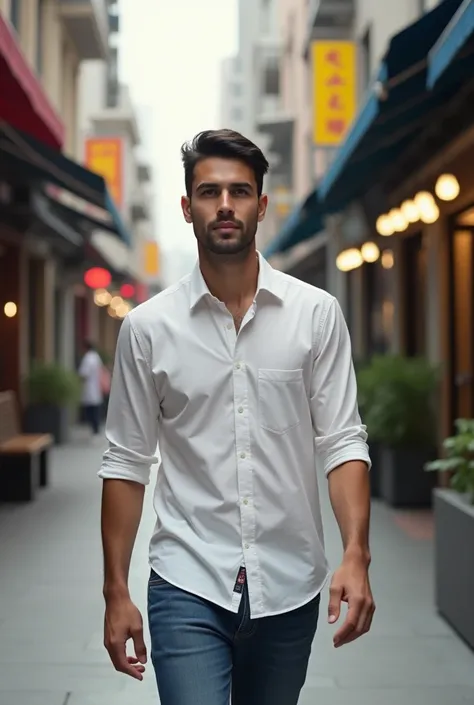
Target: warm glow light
(122, 310)
(349, 259)
(384, 226)
(398, 220)
(115, 302)
(423, 200)
(370, 252)
(430, 215)
(410, 211)
(97, 278)
(387, 259)
(447, 187)
(102, 297)
(10, 309)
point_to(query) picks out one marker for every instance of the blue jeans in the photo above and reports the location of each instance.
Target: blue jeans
(203, 653)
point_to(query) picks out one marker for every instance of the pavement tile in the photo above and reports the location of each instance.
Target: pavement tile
(51, 607)
(22, 697)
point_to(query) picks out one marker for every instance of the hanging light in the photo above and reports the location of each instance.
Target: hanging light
(370, 252)
(398, 220)
(410, 211)
(431, 214)
(122, 310)
(97, 278)
(384, 226)
(10, 309)
(387, 260)
(115, 302)
(447, 187)
(102, 297)
(127, 291)
(423, 200)
(349, 259)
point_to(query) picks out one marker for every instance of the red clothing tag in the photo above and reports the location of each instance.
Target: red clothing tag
(240, 582)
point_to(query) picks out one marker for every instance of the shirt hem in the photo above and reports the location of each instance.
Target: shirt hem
(226, 606)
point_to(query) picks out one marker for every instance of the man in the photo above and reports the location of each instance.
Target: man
(90, 371)
(235, 371)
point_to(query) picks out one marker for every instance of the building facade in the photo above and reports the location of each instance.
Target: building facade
(50, 205)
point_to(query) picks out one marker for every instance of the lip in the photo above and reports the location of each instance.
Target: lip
(226, 225)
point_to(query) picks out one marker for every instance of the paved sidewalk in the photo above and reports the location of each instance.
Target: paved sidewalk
(51, 608)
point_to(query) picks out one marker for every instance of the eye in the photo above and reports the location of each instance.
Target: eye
(240, 192)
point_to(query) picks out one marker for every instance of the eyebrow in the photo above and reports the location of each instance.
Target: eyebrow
(237, 184)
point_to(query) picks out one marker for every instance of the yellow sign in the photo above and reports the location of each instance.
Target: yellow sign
(104, 156)
(334, 90)
(152, 259)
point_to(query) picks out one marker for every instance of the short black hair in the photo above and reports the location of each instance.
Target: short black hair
(226, 144)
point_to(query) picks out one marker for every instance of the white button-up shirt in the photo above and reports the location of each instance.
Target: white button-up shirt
(240, 419)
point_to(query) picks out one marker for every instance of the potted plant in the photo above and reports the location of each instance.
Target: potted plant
(454, 531)
(402, 419)
(366, 387)
(52, 391)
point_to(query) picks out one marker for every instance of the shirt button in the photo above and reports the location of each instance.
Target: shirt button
(243, 455)
(240, 410)
(246, 501)
(246, 546)
(229, 326)
(238, 366)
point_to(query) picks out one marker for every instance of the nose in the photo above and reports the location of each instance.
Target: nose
(226, 206)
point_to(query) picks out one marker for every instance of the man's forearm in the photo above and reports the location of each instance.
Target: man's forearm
(122, 504)
(349, 491)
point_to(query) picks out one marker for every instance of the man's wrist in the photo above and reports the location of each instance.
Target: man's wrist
(115, 591)
(356, 552)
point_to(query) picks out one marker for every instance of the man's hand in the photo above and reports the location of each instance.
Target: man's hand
(350, 584)
(123, 621)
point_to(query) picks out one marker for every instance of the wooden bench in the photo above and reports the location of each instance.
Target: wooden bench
(23, 457)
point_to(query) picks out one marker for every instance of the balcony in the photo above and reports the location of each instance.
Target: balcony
(87, 23)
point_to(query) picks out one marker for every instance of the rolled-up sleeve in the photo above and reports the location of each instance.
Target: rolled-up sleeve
(133, 412)
(340, 434)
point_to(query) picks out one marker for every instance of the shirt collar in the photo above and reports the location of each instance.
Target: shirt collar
(268, 281)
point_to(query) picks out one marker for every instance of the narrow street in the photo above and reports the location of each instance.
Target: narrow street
(51, 608)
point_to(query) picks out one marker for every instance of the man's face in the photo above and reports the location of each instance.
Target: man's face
(224, 207)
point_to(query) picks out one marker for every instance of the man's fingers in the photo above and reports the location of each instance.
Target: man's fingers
(358, 622)
(122, 662)
(139, 644)
(335, 597)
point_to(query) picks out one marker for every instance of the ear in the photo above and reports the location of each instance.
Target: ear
(262, 207)
(186, 208)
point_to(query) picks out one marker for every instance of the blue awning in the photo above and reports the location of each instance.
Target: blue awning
(395, 112)
(453, 42)
(45, 164)
(305, 221)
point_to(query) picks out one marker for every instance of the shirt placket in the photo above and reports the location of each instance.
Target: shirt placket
(244, 463)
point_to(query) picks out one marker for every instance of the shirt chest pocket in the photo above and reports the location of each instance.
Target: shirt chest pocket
(281, 395)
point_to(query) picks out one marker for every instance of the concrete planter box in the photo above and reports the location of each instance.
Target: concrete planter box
(403, 481)
(48, 418)
(454, 561)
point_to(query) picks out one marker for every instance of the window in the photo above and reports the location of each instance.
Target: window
(271, 85)
(15, 9)
(415, 271)
(39, 38)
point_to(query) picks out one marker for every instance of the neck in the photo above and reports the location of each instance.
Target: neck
(232, 280)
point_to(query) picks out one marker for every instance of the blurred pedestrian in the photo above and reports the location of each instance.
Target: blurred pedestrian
(91, 373)
(236, 370)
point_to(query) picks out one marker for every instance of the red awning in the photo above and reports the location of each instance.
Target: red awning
(23, 102)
